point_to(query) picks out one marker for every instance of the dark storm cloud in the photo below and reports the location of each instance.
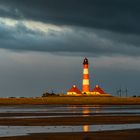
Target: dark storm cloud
(75, 41)
(115, 15)
(91, 27)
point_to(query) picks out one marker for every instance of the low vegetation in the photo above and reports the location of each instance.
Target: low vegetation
(47, 94)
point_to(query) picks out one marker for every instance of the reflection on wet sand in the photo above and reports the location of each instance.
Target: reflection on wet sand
(85, 128)
(86, 112)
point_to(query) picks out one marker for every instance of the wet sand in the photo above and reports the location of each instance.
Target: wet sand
(106, 135)
(70, 120)
(103, 135)
(75, 120)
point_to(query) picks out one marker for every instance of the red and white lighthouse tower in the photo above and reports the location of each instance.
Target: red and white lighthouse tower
(85, 86)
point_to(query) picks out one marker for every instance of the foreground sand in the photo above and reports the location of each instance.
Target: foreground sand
(75, 120)
(70, 120)
(104, 135)
(108, 135)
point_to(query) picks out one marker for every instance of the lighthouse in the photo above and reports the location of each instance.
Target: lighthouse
(96, 91)
(85, 84)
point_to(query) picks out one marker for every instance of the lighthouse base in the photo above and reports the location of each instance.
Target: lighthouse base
(86, 92)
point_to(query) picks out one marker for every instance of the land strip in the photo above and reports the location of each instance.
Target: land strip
(72, 100)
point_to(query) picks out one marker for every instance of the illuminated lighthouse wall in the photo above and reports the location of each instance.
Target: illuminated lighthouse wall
(85, 84)
(96, 91)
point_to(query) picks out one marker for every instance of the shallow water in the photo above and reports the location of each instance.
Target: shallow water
(135, 109)
(25, 130)
(72, 116)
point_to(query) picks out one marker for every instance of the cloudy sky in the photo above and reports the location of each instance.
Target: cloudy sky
(43, 43)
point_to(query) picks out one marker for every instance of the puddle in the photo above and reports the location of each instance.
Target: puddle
(74, 115)
(25, 130)
(70, 109)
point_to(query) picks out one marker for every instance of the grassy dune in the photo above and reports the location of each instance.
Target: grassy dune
(72, 100)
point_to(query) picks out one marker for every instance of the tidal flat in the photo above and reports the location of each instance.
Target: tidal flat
(72, 122)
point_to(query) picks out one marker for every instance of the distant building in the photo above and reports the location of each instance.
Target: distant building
(97, 90)
(74, 91)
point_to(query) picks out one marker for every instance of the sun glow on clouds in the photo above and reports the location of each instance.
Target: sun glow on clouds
(30, 24)
(8, 22)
